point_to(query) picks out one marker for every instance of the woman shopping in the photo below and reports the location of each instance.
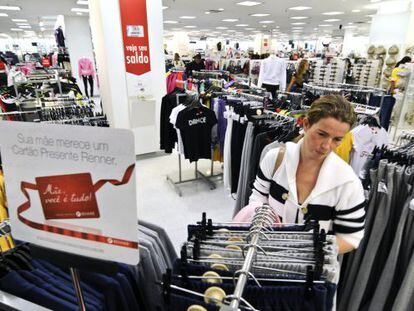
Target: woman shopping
(299, 77)
(308, 181)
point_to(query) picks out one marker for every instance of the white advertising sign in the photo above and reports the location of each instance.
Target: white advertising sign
(72, 188)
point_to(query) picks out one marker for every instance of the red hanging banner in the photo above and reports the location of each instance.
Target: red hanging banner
(135, 36)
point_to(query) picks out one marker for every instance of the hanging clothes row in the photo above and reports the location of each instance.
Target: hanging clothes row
(378, 275)
(131, 288)
(280, 277)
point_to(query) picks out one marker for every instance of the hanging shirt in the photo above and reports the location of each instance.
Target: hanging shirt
(173, 120)
(195, 125)
(345, 148)
(273, 71)
(365, 139)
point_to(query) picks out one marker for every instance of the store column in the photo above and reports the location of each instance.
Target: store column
(79, 43)
(127, 37)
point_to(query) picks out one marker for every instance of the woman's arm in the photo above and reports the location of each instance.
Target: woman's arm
(344, 247)
(292, 81)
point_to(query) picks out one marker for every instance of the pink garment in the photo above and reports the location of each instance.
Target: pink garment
(85, 67)
(246, 213)
(54, 59)
(171, 82)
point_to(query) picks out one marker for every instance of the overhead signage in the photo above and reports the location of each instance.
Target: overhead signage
(72, 188)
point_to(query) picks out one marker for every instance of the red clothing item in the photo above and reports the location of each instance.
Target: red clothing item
(46, 62)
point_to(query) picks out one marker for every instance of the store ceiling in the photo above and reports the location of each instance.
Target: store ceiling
(35, 11)
(281, 22)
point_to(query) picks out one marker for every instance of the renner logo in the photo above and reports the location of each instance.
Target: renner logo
(197, 121)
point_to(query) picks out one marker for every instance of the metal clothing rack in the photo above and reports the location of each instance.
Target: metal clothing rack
(197, 174)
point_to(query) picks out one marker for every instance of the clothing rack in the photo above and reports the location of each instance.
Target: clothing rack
(197, 174)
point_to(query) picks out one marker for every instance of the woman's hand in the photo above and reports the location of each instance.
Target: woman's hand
(344, 247)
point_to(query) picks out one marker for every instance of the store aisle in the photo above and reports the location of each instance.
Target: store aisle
(160, 204)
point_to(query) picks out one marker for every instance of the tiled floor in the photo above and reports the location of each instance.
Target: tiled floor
(159, 203)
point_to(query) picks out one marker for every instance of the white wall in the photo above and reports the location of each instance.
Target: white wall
(79, 42)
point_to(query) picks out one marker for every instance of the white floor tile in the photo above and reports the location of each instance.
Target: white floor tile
(160, 204)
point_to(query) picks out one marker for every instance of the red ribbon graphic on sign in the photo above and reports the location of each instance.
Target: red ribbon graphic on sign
(53, 188)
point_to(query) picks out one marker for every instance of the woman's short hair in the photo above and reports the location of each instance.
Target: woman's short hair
(332, 106)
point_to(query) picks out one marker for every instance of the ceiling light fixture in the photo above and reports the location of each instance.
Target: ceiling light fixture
(207, 12)
(83, 10)
(331, 20)
(26, 27)
(4, 14)
(187, 17)
(230, 20)
(79, 13)
(16, 29)
(298, 23)
(22, 24)
(260, 14)
(266, 22)
(170, 22)
(249, 3)
(221, 9)
(297, 27)
(356, 11)
(325, 25)
(82, 2)
(9, 8)
(300, 8)
(333, 13)
(248, 28)
(190, 26)
(221, 27)
(299, 17)
(41, 24)
(165, 7)
(373, 1)
(241, 25)
(19, 20)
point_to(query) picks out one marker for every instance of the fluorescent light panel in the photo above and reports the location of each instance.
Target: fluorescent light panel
(260, 14)
(79, 13)
(25, 27)
(165, 7)
(17, 20)
(170, 22)
(331, 20)
(82, 2)
(230, 20)
(187, 17)
(249, 3)
(83, 10)
(333, 13)
(16, 29)
(4, 14)
(356, 11)
(300, 8)
(9, 8)
(266, 22)
(298, 23)
(299, 17)
(190, 26)
(22, 24)
(241, 25)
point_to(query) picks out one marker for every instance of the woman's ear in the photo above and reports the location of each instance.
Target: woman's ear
(306, 124)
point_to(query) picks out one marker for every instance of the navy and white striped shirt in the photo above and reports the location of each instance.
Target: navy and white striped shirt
(337, 200)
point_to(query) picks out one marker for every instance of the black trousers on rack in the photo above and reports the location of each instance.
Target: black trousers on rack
(85, 84)
(271, 88)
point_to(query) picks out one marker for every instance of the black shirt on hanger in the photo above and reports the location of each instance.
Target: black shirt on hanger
(195, 125)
